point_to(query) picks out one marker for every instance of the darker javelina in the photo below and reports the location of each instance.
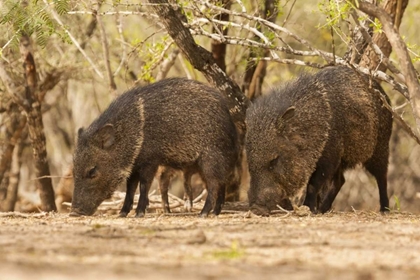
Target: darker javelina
(301, 138)
(176, 122)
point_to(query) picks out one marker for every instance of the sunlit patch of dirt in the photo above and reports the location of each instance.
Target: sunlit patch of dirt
(356, 245)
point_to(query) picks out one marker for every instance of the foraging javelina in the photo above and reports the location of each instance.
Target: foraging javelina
(301, 138)
(176, 122)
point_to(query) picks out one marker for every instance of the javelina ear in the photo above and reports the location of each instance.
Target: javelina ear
(80, 131)
(287, 115)
(106, 136)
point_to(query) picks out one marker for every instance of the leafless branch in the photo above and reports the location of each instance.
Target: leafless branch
(73, 39)
(105, 49)
(400, 49)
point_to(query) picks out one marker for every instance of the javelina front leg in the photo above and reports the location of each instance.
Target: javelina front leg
(146, 179)
(378, 168)
(132, 183)
(323, 175)
(329, 197)
(311, 199)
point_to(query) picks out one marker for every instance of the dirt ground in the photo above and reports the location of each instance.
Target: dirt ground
(352, 245)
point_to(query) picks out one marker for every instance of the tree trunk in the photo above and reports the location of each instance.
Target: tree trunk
(395, 8)
(9, 203)
(390, 21)
(14, 127)
(32, 107)
(202, 60)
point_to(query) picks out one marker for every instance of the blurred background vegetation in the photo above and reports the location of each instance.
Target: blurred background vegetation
(137, 46)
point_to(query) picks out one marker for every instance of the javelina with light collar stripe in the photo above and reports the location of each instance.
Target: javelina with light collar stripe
(176, 122)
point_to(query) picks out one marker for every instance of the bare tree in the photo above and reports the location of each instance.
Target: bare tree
(28, 99)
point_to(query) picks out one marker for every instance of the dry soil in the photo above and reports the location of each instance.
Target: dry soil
(352, 245)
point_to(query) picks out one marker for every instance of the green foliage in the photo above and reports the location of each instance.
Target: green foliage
(61, 6)
(376, 25)
(397, 205)
(152, 54)
(234, 252)
(334, 11)
(97, 226)
(31, 19)
(414, 50)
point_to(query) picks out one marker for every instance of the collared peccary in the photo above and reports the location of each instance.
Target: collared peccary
(164, 182)
(176, 122)
(302, 137)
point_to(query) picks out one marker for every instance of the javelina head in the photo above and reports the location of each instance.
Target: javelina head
(272, 161)
(96, 174)
(286, 133)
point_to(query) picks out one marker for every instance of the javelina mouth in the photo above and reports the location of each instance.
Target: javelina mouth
(260, 210)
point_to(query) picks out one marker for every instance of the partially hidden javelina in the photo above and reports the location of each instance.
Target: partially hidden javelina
(176, 122)
(164, 182)
(302, 137)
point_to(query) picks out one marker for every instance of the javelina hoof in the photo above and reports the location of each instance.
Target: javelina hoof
(204, 214)
(122, 215)
(140, 215)
(260, 210)
(385, 211)
(74, 214)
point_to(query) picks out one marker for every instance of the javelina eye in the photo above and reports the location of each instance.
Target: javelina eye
(92, 173)
(273, 163)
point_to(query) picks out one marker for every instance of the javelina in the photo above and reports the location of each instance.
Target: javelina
(176, 122)
(165, 179)
(302, 137)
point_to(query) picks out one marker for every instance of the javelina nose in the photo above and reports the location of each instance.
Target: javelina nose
(260, 210)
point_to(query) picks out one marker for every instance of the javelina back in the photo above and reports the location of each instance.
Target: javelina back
(176, 122)
(301, 138)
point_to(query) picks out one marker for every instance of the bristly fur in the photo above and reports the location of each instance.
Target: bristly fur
(302, 136)
(176, 122)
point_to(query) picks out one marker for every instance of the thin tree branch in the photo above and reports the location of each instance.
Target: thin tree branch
(73, 39)
(105, 49)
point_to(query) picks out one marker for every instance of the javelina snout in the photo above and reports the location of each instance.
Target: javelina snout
(267, 193)
(302, 137)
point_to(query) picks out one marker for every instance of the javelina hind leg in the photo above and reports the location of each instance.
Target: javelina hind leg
(165, 179)
(210, 200)
(132, 183)
(332, 191)
(146, 179)
(188, 192)
(212, 185)
(221, 194)
(379, 170)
